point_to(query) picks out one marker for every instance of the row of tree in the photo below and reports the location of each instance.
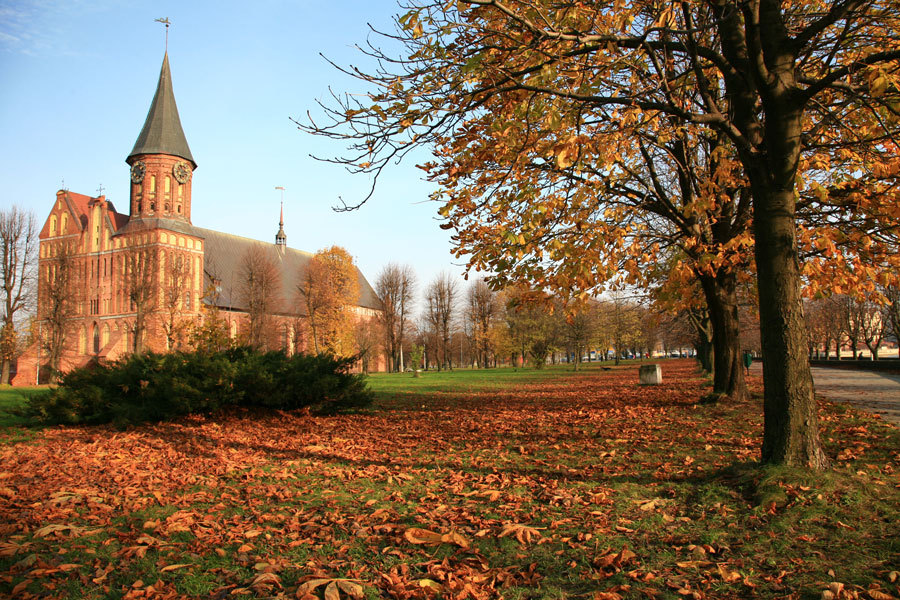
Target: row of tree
(710, 144)
(477, 326)
(838, 321)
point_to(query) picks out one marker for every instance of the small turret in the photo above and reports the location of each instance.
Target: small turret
(280, 237)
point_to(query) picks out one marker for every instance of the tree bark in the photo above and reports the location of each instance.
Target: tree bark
(791, 432)
(721, 301)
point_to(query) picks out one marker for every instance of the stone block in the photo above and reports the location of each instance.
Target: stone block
(650, 374)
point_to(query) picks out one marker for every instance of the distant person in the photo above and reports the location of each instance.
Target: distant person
(748, 360)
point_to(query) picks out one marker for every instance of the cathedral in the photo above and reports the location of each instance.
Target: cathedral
(111, 283)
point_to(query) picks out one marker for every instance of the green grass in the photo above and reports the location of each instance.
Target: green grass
(14, 427)
(459, 381)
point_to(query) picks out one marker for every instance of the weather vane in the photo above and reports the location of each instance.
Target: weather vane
(165, 21)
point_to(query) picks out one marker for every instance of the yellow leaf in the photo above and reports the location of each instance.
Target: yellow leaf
(726, 575)
(431, 585)
(174, 567)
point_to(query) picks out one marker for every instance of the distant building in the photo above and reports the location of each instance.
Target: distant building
(107, 250)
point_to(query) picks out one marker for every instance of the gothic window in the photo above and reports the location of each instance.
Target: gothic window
(64, 224)
(105, 339)
(53, 225)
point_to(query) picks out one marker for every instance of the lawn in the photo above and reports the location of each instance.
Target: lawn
(513, 484)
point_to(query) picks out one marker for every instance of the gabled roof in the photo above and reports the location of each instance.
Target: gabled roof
(224, 253)
(162, 132)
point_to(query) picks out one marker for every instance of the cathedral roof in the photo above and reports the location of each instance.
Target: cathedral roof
(224, 253)
(162, 132)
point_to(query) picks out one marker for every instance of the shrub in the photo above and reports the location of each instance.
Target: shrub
(154, 387)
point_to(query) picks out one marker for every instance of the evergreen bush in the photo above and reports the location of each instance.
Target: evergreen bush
(155, 387)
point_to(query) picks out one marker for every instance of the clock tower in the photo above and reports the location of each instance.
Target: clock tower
(161, 162)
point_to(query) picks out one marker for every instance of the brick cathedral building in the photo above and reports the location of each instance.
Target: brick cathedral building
(106, 255)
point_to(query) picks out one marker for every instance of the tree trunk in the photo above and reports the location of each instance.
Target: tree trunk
(721, 300)
(4, 374)
(791, 431)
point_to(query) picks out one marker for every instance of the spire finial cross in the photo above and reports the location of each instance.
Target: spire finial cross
(165, 21)
(100, 190)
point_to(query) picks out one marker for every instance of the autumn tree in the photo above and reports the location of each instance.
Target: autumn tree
(778, 82)
(18, 255)
(328, 289)
(210, 332)
(61, 294)
(395, 287)
(139, 278)
(440, 303)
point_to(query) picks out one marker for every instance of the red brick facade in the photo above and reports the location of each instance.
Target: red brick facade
(131, 277)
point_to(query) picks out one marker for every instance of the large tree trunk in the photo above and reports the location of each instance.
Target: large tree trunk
(721, 301)
(4, 374)
(791, 432)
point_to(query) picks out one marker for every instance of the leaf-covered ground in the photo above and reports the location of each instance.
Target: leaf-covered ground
(466, 485)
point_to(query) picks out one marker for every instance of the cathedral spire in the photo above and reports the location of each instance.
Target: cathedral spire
(280, 237)
(162, 132)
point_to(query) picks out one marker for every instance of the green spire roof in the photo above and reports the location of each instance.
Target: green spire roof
(162, 133)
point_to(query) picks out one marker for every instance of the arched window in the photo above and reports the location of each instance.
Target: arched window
(52, 224)
(64, 224)
(96, 338)
(105, 339)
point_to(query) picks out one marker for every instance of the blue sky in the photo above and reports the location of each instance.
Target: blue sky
(78, 77)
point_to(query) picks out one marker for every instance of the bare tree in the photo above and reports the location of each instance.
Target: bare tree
(18, 254)
(176, 298)
(578, 326)
(60, 297)
(483, 309)
(368, 336)
(140, 275)
(259, 288)
(892, 311)
(852, 318)
(439, 303)
(395, 287)
(874, 319)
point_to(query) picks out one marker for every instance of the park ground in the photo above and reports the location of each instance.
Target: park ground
(512, 484)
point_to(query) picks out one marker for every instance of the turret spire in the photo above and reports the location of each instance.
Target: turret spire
(280, 237)
(162, 132)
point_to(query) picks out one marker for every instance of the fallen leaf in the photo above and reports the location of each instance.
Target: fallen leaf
(523, 533)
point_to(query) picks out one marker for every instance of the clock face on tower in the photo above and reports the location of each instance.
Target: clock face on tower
(182, 172)
(137, 171)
